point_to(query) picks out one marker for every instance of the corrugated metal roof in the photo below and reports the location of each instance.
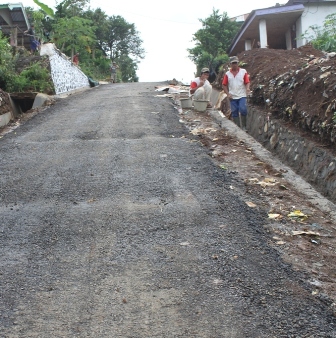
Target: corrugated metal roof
(14, 15)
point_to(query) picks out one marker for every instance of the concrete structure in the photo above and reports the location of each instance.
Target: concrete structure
(65, 75)
(282, 26)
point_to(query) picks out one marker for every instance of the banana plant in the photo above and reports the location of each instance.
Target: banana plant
(45, 8)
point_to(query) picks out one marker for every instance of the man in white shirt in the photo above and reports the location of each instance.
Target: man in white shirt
(201, 88)
(236, 85)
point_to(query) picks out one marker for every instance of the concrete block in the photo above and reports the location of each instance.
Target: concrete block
(5, 118)
(41, 100)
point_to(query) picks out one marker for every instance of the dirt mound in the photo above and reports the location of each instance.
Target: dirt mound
(5, 105)
(296, 85)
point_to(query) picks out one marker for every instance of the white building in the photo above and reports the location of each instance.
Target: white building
(281, 26)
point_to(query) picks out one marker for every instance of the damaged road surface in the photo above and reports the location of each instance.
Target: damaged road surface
(115, 222)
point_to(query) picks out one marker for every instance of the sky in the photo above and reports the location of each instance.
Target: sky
(167, 28)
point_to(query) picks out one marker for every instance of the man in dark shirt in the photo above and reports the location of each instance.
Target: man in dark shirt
(33, 42)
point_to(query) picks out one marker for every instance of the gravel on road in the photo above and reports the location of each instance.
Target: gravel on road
(115, 222)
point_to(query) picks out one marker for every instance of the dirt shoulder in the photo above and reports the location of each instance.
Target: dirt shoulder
(306, 240)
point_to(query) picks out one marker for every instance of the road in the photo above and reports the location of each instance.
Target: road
(115, 222)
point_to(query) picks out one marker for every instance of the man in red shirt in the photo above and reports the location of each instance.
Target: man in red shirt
(236, 85)
(201, 88)
(75, 59)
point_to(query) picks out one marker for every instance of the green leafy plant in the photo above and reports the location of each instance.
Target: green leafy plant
(212, 41)
(323, 38)
(45, 8)
(34, 78)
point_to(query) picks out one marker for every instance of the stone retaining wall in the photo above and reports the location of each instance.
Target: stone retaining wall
(315, 164)
(65, 75)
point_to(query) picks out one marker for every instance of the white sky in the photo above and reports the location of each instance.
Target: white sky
(167, 28)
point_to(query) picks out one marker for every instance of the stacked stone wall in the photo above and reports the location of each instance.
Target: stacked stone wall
(65, 75)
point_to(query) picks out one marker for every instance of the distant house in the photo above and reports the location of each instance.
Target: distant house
(281, 26)
(13, 22)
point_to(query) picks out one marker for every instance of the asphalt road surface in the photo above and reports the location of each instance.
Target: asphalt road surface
(114, 222)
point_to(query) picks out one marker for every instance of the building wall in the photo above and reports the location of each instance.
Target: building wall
(314, 15)
(65, 75)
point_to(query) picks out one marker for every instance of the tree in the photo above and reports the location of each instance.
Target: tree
(69, 8)
(94, 35)
(122, 39)
(100, 20)
(73, 33)
(127, 68)
(212, 41)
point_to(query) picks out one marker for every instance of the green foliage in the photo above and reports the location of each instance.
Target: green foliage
(323, 38)
(73, 34)
(69, 8)
(5, 51)
(96, 68)
(6, 62)
(122, 39)
(34, 78)
(212, 41)
(45, 8)
(128, 68)
(100, 30)
(98, 38)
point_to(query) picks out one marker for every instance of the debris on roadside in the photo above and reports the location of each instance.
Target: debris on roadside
(298, 215)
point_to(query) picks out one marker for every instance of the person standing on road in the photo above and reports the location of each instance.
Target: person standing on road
(113, 69)
(236, 85)
(201, 88)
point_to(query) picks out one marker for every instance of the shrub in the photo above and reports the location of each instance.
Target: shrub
(324, 38)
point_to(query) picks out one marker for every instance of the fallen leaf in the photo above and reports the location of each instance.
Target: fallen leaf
(269, 180)
(308, 233)
(197, 131)
(251, 205)
(297, 214)
(274, 216)
(185, 243)
(266, 184)
(280, 243)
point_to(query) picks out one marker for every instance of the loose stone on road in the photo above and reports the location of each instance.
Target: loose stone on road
(114, 222)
